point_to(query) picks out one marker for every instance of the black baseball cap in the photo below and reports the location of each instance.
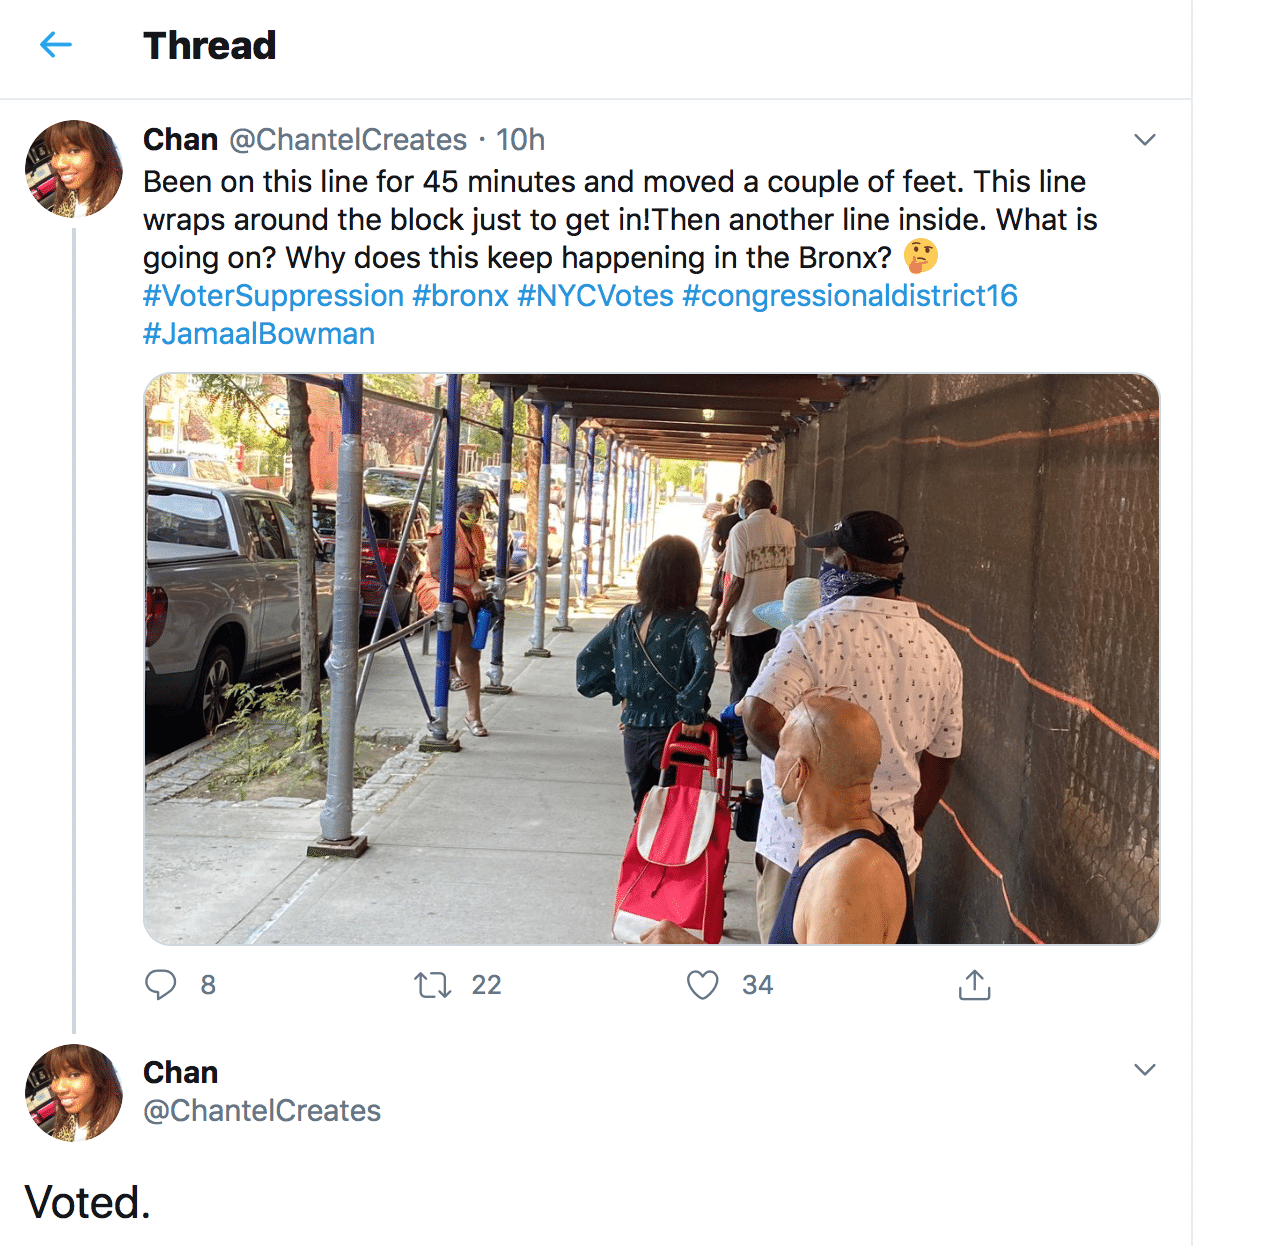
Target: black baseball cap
(865, 534)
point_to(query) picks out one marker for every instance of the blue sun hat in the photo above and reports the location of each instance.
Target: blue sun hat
(800, 599)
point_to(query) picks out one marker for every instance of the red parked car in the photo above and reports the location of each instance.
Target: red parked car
(387, 515)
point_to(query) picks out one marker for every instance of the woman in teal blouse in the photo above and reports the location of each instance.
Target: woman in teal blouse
(656, 657)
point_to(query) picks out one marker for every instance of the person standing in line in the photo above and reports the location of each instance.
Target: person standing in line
(469, 593)
(760, 560)
(720, 535)
(710, 513)
(850, 884)
(870, 646)
(656, 657)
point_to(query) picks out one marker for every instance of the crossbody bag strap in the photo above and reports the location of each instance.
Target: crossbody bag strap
(651, 660)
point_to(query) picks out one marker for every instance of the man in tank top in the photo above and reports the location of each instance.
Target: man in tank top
(850, 883)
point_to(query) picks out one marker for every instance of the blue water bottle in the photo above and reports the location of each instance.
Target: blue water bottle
(483, 621)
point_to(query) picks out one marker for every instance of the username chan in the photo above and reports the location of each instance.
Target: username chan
(284, 1110)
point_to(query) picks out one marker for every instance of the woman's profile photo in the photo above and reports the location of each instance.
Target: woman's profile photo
(73, 1093)
(73, 169)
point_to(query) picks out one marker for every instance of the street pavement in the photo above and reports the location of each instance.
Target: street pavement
(515, 839)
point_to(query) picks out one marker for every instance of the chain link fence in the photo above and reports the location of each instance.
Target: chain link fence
(1031, 505)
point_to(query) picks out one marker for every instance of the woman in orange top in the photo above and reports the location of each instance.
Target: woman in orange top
(468, 591)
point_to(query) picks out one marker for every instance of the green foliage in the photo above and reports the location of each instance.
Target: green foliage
(272, 735)
(398, 385)
(237, 400)
(684, 473)
(479, 402)
(234, 405)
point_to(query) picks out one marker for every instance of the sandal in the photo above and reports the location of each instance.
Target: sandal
(457, 684)
(475, 726)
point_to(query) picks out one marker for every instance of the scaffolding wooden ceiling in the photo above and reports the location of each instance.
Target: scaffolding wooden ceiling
(724, 418)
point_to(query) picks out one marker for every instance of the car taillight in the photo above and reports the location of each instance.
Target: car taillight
(155, 614)
(386, 552)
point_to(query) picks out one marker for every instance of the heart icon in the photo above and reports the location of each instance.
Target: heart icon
(702, 984)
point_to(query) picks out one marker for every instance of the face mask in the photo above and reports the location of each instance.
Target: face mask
(789, 809)
(742, 511)
(468, 521)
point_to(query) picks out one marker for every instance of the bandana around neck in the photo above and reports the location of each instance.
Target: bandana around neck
(841, 582)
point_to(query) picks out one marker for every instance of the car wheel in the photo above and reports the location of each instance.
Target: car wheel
(211, 702)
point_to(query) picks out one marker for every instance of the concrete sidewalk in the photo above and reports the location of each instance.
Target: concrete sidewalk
(516, 839)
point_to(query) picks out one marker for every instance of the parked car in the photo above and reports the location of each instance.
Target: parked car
(557, 522)
(396, 481)
(518, 518)
(400, 480)
(387, 515)
(518, 553)
(221, 594)
(195, 466)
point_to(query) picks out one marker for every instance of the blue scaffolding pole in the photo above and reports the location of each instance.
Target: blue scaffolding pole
(438, 739)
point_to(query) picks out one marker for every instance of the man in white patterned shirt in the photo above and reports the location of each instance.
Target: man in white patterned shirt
(760, 560)
(871, 647)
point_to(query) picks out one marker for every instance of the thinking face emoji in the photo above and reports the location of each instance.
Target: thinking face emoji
(920, 255)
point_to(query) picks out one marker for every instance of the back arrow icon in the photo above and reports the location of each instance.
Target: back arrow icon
(48, 45)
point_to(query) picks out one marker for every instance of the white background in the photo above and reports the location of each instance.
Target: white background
(603, 1099)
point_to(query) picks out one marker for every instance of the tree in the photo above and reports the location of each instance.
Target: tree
(482, 403)
(535, 428)
(397, 384)
(231, 397)
(235, 409)
(230, 400)
(309, 641)
(680, 472)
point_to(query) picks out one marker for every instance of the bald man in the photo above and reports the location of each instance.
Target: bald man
(850, 883)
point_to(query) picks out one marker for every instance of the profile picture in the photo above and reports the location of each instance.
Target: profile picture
(73, 1093)
(73, 169)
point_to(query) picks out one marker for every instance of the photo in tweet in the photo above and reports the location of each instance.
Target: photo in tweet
(994, 538)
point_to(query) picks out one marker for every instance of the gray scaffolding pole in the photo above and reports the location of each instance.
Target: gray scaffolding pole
(336, 817)
(569, 518)
(543, 483)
